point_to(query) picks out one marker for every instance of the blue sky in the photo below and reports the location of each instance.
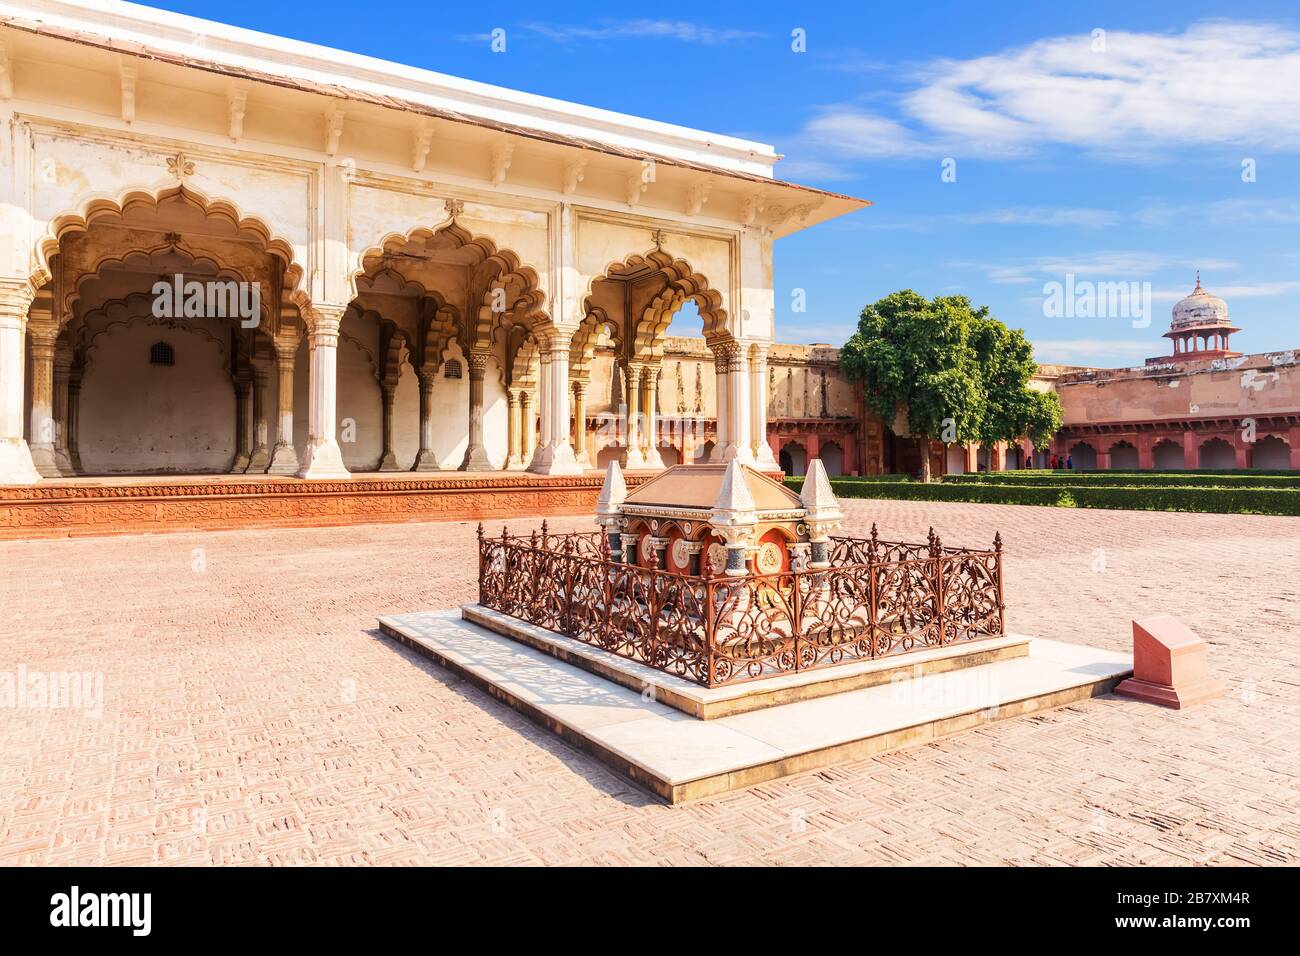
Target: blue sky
(1114, 157)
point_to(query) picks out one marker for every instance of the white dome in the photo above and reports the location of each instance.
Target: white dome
(1199, 309)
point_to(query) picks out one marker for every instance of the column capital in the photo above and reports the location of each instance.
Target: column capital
(323, 323)
(16, 297)
(478, 362)
(42, 334)
(286, 348)
(558, 337)
(728, 355)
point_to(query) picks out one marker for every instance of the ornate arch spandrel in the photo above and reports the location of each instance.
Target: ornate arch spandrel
(499, 284)
(99, 206)
(680, 282)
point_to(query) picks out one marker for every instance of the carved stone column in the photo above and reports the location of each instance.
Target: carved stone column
(424, 458)
(284, 457)
(260, 456)
(62, 411)
(388, 458)
(16, 466)
(580, 454)
(555, 454)
(733, 413)
(74, 417)
(543, 403)
(738, 408)
(649, 401)
(513, 427)
(721, 370)
(758, 399)
(323, 457)
(41, 432)
(528, 418)
(635, 457)
(476, 458)
(243, 423)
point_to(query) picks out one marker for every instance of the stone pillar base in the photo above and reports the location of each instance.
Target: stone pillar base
(736, 452)
(476, 459)
(555, 460)
(388, 463)
(64, 461)
(16, 466)
(240, 464)
(258, 462)
(425, 461)
(324, 460)
(45, 460)
(284, 461)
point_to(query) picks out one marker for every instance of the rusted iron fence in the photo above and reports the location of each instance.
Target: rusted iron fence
(878, 598)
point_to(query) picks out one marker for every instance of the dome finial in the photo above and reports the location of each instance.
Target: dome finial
(1198, 281)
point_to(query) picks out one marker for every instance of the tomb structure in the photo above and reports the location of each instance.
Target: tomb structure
(710, 520)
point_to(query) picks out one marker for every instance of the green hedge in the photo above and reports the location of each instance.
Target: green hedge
(873, 479)
(1131, 479)
(1271, 501)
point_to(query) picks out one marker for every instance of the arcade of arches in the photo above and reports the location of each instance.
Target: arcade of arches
(445, 359)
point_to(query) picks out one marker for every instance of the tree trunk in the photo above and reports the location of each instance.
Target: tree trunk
(924, 442)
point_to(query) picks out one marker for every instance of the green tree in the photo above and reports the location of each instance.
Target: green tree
(1012, 409)
(954, 371)
(919, 357)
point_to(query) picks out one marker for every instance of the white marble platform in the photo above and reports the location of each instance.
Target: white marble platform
(683, 758)
(742, 696)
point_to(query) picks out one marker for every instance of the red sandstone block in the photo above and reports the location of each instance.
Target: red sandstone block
(1170, 665)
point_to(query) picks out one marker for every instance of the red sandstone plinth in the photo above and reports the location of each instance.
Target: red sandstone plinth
(1170, 665)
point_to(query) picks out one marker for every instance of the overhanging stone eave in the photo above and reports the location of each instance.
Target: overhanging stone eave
(809, 204)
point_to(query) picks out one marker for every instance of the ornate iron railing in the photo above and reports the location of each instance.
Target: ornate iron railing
(877, 599)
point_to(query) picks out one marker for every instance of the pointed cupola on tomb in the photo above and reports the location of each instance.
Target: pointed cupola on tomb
(822, 510)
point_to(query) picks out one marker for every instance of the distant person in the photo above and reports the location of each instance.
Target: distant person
(1069, 463)
(1053, 463)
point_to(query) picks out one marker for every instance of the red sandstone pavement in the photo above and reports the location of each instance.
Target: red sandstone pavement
(253, 715)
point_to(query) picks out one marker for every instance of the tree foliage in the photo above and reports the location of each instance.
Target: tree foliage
(955, 372)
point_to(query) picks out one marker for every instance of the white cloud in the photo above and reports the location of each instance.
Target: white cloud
(1222, 212)
(858, 134)
(1118, 266)
(645, 29)
(1083, 218)
(1253, 290)
(1217, 84)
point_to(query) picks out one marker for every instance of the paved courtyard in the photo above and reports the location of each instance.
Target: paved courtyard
(252, 714)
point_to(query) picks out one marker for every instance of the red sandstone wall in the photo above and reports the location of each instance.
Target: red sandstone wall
(1256, 387)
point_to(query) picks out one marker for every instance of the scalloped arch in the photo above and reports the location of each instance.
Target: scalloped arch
(102, 205)
(583, 348)
(121, 257)
(682, 283)
(528, 303)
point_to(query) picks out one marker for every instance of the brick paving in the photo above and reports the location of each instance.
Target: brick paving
(252, 714)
